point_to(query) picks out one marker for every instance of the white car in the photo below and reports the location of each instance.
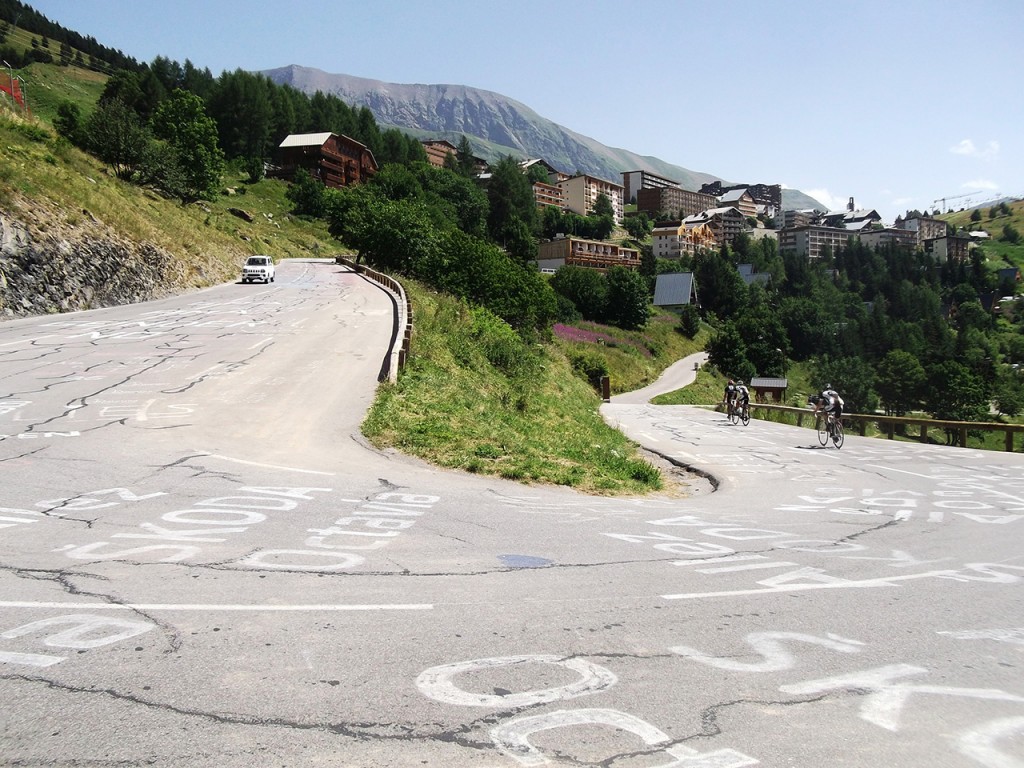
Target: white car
(258, 268)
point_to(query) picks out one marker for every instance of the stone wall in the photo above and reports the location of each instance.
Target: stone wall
(50, 264)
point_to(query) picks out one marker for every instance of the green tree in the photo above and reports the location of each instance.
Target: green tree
(465, 161)
(1008, 394)
(585, 288)
(512, 212)
(307, 195)
(629, 303)
(900, 382)
(689, 321)
(1010, 234)
(727, 352)
(853, 378)
(976, 214)
(182, 122)
(603, 206)
(639, 226)
(116, 136)
(955, 393)
(69, 123)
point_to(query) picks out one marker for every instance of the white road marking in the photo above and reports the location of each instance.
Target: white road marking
(311, 608)
(266, 466)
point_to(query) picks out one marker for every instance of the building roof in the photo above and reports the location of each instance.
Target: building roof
(735, 194)
(673, 289)
(750, 275)
(306, 139)
(768, 382)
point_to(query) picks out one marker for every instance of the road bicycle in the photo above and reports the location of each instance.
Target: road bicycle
(737, 413)
(830, 428)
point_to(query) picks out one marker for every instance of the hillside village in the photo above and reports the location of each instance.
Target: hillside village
(686, 222)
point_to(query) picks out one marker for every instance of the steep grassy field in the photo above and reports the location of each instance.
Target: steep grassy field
(997, 249)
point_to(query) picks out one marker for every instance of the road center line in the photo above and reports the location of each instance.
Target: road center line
(312, 608)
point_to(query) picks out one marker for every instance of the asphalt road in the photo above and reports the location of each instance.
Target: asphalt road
(203, 564)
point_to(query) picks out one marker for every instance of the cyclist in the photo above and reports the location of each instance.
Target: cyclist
(831, 402)
(743, 395)
(729, 396)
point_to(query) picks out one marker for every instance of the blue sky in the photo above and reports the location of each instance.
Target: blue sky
(894, 103)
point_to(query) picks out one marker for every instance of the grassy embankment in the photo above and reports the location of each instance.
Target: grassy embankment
(475, 397)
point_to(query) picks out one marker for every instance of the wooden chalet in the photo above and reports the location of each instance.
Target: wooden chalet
(337, 160)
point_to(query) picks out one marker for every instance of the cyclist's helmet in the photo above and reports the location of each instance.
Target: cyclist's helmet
(828, 386)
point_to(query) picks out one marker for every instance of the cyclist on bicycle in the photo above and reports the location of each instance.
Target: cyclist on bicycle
(729, 396)
(743, 394)
(831, 402)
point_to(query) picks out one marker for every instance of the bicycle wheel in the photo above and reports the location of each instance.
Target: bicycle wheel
(745, 415)
(837, 434)
(823, 430)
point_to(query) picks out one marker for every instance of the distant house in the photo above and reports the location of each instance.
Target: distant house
(674, 290)
(336, 160)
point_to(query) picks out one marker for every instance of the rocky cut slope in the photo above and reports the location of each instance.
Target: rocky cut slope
(53, 262)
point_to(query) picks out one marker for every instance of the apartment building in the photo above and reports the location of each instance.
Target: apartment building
(548, 196)
(675, 239)
(581, 193)
(592, 254)
(634, 181)
(924, 228)
(768, 195)
(948, 248)
(673, 201)
(811, 241)
(741, 200)
(890, 236)
(438, 150)
(725, 223)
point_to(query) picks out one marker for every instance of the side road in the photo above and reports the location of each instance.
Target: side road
(678, 375)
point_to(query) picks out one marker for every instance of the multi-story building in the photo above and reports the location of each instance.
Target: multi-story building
(852, 218)
(593, 254)
(634, 181)
(924, 228)
(675, 239)
(336, 160)
(877, 238)
(741, 200)
(581, 193)
(792, 218)
(548, 196)
(949, 248)
(673, 201)
(438, 150)
(811, 241)
(726, 223)
(769, 195)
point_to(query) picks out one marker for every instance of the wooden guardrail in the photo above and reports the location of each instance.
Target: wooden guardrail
(401, 341)
(887, 424)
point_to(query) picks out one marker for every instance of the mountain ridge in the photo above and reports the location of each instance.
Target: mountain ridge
(502, 126)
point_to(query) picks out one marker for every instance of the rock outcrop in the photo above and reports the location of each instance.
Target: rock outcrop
(53, 262)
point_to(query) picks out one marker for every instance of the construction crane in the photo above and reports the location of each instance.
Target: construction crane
(952, 197)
